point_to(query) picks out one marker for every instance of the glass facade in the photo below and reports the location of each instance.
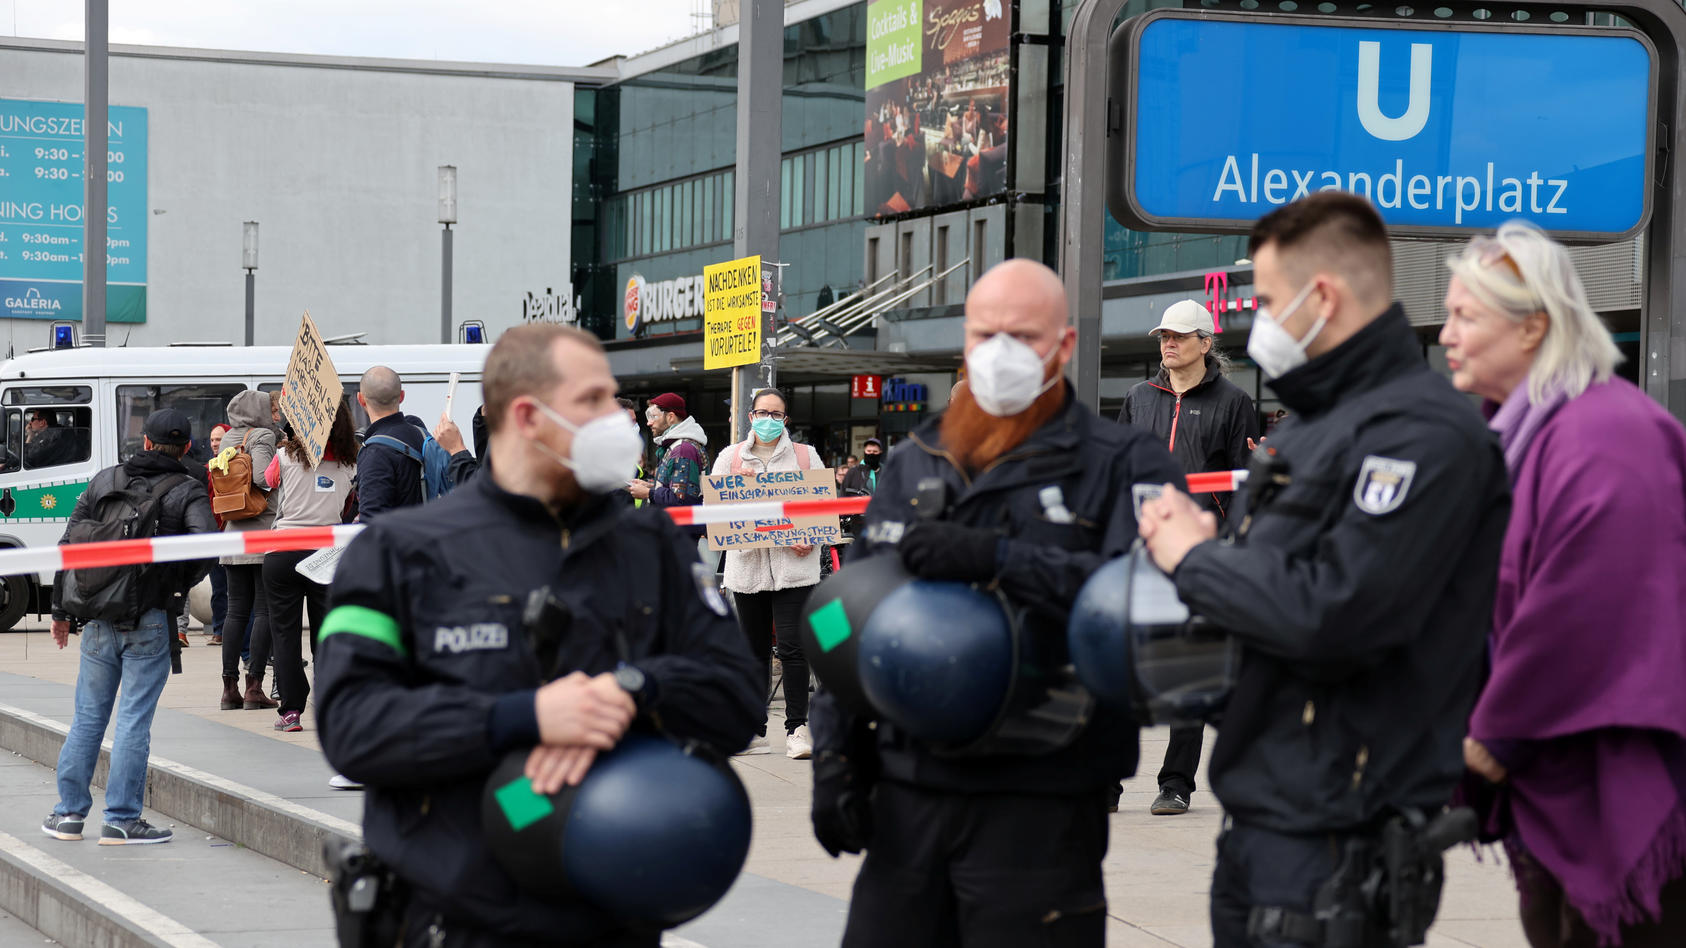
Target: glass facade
(660, 149)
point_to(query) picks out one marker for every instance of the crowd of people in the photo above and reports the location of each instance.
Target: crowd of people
(1435, 607)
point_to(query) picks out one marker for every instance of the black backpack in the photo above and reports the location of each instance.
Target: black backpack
(128, 510)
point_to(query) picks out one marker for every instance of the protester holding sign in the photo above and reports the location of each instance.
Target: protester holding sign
(771, 584)
(313, 495)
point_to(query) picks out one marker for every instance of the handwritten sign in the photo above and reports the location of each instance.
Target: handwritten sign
(312, 391)
(765, 488)
(732, 313)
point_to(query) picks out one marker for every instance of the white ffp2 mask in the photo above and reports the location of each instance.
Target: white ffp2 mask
(605, 450)
(1277, 352)
(1005, 376)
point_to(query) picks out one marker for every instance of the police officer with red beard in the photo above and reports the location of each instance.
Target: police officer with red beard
(1005, 848)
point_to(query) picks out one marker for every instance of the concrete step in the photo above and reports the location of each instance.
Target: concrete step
(197, 891)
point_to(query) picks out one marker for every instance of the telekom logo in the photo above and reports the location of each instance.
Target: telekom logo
(1369, 92)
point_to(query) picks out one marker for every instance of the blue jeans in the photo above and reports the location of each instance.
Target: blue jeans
(139, 661)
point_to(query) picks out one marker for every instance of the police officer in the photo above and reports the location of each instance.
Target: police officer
(1358, 569)
(992, 848)
(430, 668)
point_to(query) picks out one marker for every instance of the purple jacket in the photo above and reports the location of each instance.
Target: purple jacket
(1589, 653)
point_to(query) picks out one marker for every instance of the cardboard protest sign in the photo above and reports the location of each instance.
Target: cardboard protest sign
(769, 487)
(312, 391)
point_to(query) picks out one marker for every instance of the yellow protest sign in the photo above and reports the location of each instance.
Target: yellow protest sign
(732, 313)
(312, 392)
(765, 488)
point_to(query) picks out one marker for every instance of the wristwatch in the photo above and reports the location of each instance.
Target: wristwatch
(633, 682)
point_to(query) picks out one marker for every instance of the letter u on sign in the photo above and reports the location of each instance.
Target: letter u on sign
(1369, 92)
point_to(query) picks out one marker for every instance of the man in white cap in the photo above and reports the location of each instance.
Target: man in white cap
(1205, 421)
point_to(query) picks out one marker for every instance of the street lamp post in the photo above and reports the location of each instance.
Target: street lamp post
(447, 217)
(249, 260)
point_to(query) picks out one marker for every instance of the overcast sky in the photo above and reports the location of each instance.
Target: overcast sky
(548, 32)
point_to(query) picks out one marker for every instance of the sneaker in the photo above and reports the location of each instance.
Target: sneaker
(133, 832)
(1169, 803)
(342, 782)
(65, 826)
(757, 746)
(798, 745)
(288, 722)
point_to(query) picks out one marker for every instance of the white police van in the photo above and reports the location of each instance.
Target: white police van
(66, 414)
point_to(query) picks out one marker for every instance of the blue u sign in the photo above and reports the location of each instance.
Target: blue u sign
(1223, 118)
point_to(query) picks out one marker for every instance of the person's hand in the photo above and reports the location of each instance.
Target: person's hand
(842, 806)
(577, 710)
(1479, 759)
(551, 768)
(448, 435)
(1254, 445)
(639, 489)
(61, 633)
(802, 549)
(1172, 524)
(939, 549)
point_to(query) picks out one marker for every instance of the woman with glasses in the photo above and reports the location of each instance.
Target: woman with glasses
(770, 585)
(1580, 731)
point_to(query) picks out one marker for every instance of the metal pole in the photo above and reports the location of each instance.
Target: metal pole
(251, 306)
(95, 115)
(445, 289)
(760, 146)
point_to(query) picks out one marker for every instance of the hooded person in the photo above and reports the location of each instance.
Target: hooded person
(681, 447)
(249, 428)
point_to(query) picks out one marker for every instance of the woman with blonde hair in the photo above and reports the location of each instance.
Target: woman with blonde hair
(1580, 731)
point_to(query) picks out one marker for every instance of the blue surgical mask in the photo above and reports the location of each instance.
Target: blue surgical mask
(767, 429)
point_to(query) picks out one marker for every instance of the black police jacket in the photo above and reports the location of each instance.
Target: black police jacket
(1205, 428)
(1094, 463)
(425, 674)
(1358, 569)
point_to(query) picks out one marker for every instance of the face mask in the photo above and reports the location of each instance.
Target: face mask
(605, 450)
(1277, 352)
(872, 461)
(1005, 375)
(767, 429)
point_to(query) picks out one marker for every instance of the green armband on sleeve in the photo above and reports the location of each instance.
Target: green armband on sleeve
(369, 623)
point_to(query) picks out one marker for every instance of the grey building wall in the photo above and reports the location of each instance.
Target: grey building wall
(336, 160)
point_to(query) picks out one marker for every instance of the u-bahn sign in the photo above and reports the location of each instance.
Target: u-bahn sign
(1447, 129)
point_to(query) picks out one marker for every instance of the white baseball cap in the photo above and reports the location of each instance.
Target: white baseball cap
(1184, 316)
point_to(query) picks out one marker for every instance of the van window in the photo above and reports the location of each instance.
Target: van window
(205, 406)
(53, 431)
(359, 417)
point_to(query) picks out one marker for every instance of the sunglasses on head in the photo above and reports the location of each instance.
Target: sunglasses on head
(1490, 252)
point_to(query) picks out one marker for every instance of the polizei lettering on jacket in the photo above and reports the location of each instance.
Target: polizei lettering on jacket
(1247, 183)
(481, 636)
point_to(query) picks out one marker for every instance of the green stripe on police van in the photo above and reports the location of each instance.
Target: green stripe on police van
(43, 501)
(831, 625)
(369, 623)
(521, 805)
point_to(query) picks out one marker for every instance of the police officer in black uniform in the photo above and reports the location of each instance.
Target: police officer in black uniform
(529, 609)
(1358, 570)
(992, 848)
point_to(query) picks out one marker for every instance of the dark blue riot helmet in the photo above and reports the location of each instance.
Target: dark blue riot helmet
(1137, 646)
(654, 835)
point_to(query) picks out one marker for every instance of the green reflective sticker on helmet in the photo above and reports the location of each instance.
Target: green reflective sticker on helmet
(521, 806)
(831, 625)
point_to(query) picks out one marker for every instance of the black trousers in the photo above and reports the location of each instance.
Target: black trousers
(984, 870)
(246, 600)
(1182, 759)
(1261, 867)
(420, 924)
(288, 592)
(760, 615)
(1549, 921)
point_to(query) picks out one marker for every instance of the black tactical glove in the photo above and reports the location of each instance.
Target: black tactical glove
(938, 549)
(842, 810)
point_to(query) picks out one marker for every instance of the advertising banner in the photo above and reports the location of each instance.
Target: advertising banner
(769, 487)
(311, 395)
(732, 313)
(41, 250)
(936, 103)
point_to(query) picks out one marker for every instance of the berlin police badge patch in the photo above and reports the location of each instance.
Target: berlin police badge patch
(1382, 483)
(707, 591)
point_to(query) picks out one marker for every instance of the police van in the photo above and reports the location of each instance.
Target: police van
(66, 414)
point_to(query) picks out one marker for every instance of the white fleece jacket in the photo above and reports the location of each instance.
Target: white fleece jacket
(765, 570)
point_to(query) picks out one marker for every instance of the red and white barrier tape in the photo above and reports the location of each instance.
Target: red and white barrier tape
(204, 546)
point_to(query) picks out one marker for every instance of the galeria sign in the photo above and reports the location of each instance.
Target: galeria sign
(1446, 130)
(771, 486)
